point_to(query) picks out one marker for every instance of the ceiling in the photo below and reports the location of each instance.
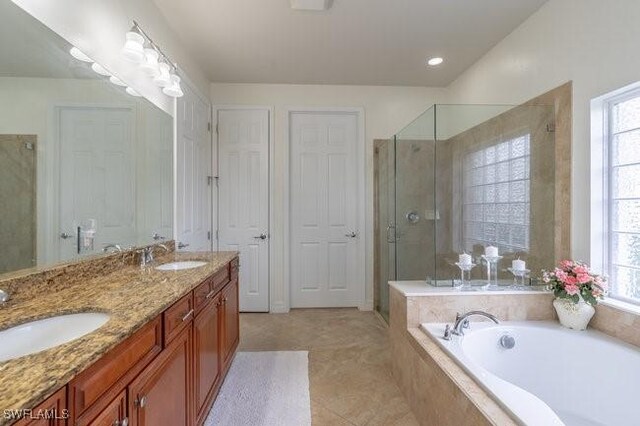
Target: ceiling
(361, 42)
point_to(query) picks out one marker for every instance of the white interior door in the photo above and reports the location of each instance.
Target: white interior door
(97, 181)
(324, 194)
(194, 179)
(243, 194)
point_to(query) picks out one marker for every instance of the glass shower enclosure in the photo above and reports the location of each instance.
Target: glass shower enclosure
(459, 178)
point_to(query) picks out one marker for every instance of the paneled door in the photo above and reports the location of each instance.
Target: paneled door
(97, 181)
(243, 199)
(194, 178)
(325, 269)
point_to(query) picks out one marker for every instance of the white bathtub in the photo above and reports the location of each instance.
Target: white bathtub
(553, 375)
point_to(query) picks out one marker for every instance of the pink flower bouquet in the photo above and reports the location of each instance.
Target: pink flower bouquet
(572, 279)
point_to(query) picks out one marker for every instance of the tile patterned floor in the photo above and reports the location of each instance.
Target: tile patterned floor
(349, 365)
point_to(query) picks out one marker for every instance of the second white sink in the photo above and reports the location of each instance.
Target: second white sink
(36, 336)
(177, 266)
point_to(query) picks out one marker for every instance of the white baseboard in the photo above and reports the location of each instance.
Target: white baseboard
(367, 306)
(279, 309)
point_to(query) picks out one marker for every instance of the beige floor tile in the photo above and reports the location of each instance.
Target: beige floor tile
(349, 365)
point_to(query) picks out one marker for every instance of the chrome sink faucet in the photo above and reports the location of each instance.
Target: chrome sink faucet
(462, 322)
(146, 254)
(4, 297)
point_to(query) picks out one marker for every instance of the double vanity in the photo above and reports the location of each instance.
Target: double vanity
(106, 342)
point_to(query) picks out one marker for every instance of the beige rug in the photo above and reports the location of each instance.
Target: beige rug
(264, 388)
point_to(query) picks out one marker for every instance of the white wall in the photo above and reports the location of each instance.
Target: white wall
(592, 42)
(97, 27)
(387, 110)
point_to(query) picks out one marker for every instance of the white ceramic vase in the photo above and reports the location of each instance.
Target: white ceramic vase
(573, 315)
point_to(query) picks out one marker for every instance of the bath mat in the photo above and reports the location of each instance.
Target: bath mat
(264, 389)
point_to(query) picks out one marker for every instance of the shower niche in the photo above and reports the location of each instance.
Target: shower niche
(460, 178)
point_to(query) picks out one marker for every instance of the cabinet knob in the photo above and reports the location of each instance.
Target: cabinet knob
(140, 402)
(123, 422)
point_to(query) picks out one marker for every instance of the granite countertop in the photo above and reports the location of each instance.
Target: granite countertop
(131, 296)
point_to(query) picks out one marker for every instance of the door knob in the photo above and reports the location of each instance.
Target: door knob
(261, 237)
(352, 234)
(66, 236)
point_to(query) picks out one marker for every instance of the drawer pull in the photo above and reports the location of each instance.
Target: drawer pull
(187, 315)
(210, 294)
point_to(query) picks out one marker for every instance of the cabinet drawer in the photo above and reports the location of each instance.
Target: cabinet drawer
(234, 267)
(221, 277)
(202, 294)
(178, 317)
(114, 414)
(119, 365)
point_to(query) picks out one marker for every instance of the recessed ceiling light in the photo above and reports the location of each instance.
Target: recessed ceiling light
(435, 61)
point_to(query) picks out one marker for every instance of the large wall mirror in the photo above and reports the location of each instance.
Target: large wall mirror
(83, 163)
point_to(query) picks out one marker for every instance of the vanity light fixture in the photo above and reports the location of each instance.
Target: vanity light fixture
(435, 61)
(163, 79)
(115, 80)
(174, 90)
(133, 49)
(132, 92)
(140, 48)
(79, 55)
(99, 69)
(150, 64)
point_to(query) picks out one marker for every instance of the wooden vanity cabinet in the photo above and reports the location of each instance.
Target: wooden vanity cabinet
(114, 414)
(207, 358)
(162, 393)
(53, 407)
(230, 322)
(167, 373)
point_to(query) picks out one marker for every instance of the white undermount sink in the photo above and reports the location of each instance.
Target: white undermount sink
(177, 266)
(36, 336)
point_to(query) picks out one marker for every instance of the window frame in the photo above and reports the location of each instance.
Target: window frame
(607, 105)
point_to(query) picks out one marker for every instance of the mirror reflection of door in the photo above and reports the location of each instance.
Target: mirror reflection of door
(18, 209)
(97, 181)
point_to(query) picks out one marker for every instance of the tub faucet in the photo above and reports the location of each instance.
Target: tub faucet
(463, 322)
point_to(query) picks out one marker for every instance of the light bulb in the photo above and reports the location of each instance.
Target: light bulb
(133, 49)
(115, 80)
(163, 79)
(132, 92)
(150, 64)
(100, 69)
(79, 55)
(174, 90)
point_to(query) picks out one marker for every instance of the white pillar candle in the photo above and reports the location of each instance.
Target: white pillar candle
(464, 259)
(518, 265)
(491, 251)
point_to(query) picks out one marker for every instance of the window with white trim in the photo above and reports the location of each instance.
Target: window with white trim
(622, 189)
(496, 196)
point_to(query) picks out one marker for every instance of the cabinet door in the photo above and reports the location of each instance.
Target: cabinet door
(231, 321)
(206, 344)
(162, 393)
(52, 412)
(114, 414)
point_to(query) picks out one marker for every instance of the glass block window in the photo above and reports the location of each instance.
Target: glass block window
(623, 149)
(496, 196)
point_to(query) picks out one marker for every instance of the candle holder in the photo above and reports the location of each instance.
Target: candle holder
(465, 274)
(518, 278)
(492, 270)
